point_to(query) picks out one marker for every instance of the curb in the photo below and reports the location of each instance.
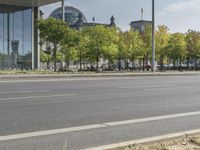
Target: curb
(145, 141)
(37, 76)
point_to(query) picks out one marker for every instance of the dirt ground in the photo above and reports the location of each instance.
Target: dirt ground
(189, 143)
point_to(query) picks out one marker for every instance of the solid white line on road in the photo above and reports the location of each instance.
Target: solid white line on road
(35, 97)
(145, 140)
(94, 126)
(32, 91)
(70, 79)
(169, 88)
(146, 86)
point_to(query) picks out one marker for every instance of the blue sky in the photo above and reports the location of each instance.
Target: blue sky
(178, 15)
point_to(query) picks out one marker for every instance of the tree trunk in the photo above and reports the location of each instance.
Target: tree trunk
(97, 61)
(80, 59)
(133, 68)
(140, 64)
(161, 64)
(54, 58)
(188, 63)
(119, 67)
(174, 63)
(143, 64)
(180, 65)
(127, 64)
(195, 60)
(147, 59)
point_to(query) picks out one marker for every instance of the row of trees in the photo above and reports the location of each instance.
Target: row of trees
(92, 43)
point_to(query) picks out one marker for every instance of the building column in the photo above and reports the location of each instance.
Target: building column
(35, 40)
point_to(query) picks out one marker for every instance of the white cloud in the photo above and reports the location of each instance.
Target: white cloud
(180, 16)
(182, 6)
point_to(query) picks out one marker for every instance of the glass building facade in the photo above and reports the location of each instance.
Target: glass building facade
(15, 37)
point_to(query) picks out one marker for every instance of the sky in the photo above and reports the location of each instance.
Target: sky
(178, 15)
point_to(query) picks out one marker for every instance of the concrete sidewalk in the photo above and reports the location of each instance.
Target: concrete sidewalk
(68, 75)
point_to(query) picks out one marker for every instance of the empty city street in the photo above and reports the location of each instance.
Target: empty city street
(79, 113)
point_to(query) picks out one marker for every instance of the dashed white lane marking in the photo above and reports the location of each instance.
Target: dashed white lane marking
(94, 126)
(145, 140)
(146, 86)
(31, 91)
(35, 97)
(49, 132)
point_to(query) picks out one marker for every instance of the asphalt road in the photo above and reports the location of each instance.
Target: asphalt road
(87, 112)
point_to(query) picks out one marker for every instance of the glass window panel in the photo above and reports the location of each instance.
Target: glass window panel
(27, 36)
(15, 37)
(1, 38)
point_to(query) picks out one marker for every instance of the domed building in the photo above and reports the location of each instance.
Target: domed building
(77, 19)
(71, 15)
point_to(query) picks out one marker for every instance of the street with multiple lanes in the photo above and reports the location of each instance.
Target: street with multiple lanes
(52, 114)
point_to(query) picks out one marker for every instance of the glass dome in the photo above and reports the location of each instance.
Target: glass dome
(71, 14)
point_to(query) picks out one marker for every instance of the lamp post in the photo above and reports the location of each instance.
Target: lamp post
(153, 35)
(63, 9)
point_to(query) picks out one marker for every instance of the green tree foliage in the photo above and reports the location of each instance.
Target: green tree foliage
(81, 41)
(112, 47)
(147, 40)
(122, 52)
(68, 45)
(177, 48)
(193, 46)
(162, 38)
(101, 43)
(53, 31)
(93, 43)
(135, 45)
(45, 57)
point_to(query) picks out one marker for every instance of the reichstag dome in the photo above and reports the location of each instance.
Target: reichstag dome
(71, 14)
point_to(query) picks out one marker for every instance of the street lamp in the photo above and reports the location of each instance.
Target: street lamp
(63, 9)
(153, 35)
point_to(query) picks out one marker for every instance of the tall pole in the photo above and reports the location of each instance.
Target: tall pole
(63, 10)
(153, 35)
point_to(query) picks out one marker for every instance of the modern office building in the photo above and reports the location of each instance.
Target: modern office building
(18, 33)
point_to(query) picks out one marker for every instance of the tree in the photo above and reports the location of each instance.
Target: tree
(111, 49)
(81, 41)
(100, 43)
(45, 57)
(135, 45)
(193, 46)
(177, 48)
(147, 40)
(53, 31)
(162, 38)
(122, 52)
(68, 45)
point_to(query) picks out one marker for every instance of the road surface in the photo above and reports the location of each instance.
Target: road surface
(78, 113)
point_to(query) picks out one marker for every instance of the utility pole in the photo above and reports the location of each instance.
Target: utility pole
(63, 9)
(153, 35)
